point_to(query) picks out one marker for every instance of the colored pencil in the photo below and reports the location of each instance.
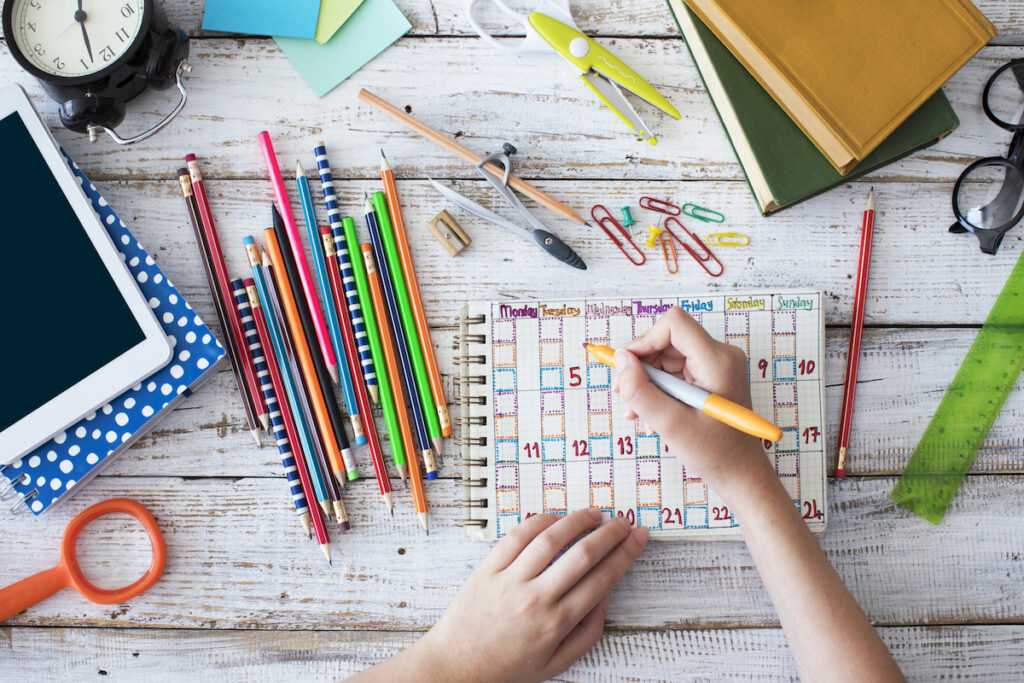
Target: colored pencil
(856, 331)
(259, 360)
(470, 156)
(387, 400)
(400, 345)
(284, 206)
(406, 329)
(355, 314)
(284, 415)
(302, 428)
(316, 246)
(422, 326)
(317, 383)
(419, 497)
(348, 338)
(185, 181)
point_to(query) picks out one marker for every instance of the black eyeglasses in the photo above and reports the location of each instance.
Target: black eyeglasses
(988, 198)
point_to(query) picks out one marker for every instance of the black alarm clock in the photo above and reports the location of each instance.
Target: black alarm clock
(93, 56)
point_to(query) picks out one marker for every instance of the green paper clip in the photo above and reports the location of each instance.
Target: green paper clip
(702, 214)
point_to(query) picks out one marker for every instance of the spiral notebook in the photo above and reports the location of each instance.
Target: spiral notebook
(542, 431)
(53, 471)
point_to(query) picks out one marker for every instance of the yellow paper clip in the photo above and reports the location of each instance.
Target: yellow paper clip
(671, 261)
(727, 239)
(653, 237)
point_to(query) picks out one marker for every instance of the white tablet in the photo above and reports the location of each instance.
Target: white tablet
(75, 331)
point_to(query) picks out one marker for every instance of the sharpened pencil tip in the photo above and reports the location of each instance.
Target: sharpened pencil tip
(298, 169)
(256, 437)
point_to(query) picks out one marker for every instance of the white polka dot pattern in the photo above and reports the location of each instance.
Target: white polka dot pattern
(72, 456)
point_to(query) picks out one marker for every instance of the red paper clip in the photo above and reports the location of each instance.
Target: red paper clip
(704, 259)
(659, 205)
(596, 212)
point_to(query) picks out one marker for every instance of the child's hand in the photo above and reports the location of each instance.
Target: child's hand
(524, 615)
(724, 457)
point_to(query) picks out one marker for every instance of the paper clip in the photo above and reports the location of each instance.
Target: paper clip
(702, 214)
(596, 212)
(654, 232)
(702, 259)
(727, 239)
(671, 263)
(659, 205)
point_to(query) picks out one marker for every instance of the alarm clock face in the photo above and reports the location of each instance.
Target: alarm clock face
(73, 39)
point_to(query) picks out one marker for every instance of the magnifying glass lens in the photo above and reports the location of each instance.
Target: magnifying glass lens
(113, 551)
(991, 195)
(1006, 96)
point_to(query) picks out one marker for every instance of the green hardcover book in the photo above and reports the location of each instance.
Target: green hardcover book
(782, 165)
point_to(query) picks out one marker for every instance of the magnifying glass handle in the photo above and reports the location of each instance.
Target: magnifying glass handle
(21, 595)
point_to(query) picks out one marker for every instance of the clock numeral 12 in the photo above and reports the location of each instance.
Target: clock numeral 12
(107, 53)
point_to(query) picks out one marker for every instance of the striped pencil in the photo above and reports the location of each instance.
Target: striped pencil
(284, 414)
(284, 206)
(259, 361)
(348, 339)
(348, 280)
(422, 326)
(333, 324)
(289, 380)
(401, 347)
(419, 498)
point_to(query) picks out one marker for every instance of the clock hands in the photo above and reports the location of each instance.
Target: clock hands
(80, 17)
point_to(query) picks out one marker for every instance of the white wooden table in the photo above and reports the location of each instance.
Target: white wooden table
(246, 596)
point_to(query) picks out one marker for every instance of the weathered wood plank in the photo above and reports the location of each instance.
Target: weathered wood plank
(237, 559)
(991, 653)
(241, 86)
(903, 374)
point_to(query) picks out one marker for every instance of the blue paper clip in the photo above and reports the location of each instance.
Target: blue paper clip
(703, 258)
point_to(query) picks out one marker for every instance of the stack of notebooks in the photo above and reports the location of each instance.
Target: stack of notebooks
(814, 94)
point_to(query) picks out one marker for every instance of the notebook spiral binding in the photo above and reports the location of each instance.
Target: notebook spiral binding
(466, 382)
(7, 491)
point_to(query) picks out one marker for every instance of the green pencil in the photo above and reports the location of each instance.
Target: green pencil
(387, 401)
(412, 337)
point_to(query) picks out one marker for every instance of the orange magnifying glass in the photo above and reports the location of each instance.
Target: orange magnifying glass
(68, 574)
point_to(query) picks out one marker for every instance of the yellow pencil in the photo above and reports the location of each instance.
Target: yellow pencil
(712, 405)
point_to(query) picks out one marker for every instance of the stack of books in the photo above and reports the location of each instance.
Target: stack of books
(814, 94)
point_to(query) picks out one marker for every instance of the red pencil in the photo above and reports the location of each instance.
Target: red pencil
(286, 414)
(856, 328)
(234, 333)
(348, 337)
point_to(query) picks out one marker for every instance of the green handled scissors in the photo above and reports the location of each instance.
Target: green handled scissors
(551, 27)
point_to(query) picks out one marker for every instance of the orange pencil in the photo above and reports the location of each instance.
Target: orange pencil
(422, 326)
(419, 498)
(302, 353)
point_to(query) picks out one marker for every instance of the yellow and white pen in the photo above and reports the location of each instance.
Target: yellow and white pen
(712, 405)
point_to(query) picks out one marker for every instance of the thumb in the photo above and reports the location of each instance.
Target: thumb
(662, 413)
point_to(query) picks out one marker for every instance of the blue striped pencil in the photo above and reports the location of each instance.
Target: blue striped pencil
(305, 438)
(333, 325)
(283, 412)
(355, 311)
(405, 363)
(252, 341)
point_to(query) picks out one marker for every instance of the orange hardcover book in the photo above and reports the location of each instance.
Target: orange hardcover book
(848, 72)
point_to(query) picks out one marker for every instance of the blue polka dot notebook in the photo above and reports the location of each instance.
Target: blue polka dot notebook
(58, 468)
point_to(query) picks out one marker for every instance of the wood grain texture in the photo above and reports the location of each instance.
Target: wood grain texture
(237, 559)
(242, 86)
(924, 653)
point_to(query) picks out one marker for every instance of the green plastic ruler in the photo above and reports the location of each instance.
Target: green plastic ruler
(969, 407)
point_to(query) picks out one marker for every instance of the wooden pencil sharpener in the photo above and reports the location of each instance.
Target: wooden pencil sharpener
(448, 233)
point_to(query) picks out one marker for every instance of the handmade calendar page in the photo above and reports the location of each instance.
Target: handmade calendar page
(542, 431)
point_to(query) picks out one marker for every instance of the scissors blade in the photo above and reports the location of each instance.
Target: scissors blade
(610, 94)
(468, 205)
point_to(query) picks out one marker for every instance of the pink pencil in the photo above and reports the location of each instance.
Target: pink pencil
(285, 207)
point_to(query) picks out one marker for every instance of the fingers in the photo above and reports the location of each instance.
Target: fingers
(548, 543)
(675, 329)
(578, 560)
(508, 548)
(608, 572)
(662, 413)
(579, 640)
